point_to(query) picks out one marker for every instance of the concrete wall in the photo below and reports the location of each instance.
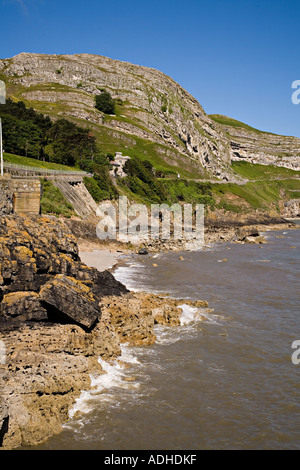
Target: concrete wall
(20, 196)
(77, 194)
(26, 196)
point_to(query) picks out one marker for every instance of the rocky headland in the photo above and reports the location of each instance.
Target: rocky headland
(57, 317)
(152, 108)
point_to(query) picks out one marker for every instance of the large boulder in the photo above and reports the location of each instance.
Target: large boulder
(248, 231)
(68, 300)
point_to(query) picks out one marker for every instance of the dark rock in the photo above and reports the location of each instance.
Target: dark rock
(70, 301)
(104, 283)
(245, 232)
(143, 251)
(22, 307)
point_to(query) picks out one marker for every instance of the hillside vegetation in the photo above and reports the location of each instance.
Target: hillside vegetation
(75, 112)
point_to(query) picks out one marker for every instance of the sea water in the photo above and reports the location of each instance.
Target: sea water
(224, 378)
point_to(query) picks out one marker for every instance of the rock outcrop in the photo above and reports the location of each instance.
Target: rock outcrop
(254, 146)
(57, 318)
(291, 209)
(153, 106)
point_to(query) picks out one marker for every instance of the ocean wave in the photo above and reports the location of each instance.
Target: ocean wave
(116, 376)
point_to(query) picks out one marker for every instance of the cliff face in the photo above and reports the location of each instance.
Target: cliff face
(254, 146)
(154, 107)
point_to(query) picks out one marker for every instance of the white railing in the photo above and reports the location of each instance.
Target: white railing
(25, 170)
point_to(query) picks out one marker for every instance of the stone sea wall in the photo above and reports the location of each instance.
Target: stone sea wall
(20, 195)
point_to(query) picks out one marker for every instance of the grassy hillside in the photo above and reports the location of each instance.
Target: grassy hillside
(227, 121)
(255, 171)
(263, 196)
(267, 186)
(32, 162)
(53, 201)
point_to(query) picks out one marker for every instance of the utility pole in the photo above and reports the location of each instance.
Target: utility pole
(1, 147)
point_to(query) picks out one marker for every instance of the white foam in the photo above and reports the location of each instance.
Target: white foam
(166, 335)
(127, 275)
(188, 314)
(189, 319)
(211, 318)
(194, 314)
(102, 385)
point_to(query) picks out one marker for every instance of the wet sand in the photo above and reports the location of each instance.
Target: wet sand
(100, 259)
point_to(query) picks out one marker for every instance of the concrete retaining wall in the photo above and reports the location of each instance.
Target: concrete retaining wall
(20, 196)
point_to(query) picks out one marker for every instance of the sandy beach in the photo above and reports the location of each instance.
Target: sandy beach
(100, 259)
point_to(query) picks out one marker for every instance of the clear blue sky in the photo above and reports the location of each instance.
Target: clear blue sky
(238, 58)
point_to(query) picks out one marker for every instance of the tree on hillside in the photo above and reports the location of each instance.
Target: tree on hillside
(105, 103)
(71, 143)
(25, 132)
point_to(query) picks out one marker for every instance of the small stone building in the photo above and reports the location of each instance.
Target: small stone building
(118, 165)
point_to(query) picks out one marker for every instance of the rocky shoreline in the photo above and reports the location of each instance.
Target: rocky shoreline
(249, 230)
(57, 317)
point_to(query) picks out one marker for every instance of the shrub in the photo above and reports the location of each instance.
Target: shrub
(105, 103)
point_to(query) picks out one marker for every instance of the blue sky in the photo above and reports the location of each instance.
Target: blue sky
(238, 58)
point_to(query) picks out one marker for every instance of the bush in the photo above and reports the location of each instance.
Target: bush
(141, 181)
(94, 189)
(105, 103)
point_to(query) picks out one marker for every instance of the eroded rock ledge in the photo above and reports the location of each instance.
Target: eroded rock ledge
(57, 317)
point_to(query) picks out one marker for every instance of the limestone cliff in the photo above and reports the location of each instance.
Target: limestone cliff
(153, 106)
(254, 146)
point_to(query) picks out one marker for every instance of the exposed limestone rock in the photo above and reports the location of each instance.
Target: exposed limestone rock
(54, 329)
(291, 209)
(46, 369)
(70, 300)
(155, 107)
(263, 148)
(23, 307)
